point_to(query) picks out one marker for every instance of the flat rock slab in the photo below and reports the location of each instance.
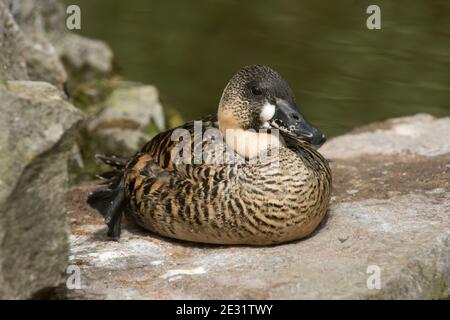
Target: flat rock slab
(387, 235)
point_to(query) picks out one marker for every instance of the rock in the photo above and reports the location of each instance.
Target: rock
(36, 41)
(121, 127)
(407, 135)
(87, 55)
(38, 129)
(83, 57)
(131, 107)
(33, 51)
(390, 215)
(12, 43)
(90, 95)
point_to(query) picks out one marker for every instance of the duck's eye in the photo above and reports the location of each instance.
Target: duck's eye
(256, 91)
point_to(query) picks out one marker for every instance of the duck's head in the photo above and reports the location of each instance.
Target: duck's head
(258, 97)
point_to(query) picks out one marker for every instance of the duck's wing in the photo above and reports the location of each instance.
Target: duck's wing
(179, 150)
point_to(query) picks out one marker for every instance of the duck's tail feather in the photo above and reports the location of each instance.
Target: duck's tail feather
(109, 201)
(113, 161)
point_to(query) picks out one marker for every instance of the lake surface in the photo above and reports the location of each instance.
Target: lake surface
(343, 74)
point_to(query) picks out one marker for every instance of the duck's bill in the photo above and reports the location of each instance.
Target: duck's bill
(290, 122)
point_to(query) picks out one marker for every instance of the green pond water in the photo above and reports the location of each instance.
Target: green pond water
(343, 74)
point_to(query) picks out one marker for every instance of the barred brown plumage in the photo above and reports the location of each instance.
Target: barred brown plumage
(280, 197)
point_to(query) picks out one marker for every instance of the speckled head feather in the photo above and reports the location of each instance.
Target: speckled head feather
(247, 92)
(258, 97)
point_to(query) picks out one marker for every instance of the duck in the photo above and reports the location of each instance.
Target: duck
(251, 174)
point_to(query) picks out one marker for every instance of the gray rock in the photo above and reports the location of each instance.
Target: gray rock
(390, 213)
(127, 113)
(408, 135)
(26, 24)
(34, 41)
(130, 106)
(84, 53)
(36, 139)
(37, 134)
(12, 43)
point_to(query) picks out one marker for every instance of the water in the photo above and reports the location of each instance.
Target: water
(343, 74)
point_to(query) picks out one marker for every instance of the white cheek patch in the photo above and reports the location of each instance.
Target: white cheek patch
(267, 112)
